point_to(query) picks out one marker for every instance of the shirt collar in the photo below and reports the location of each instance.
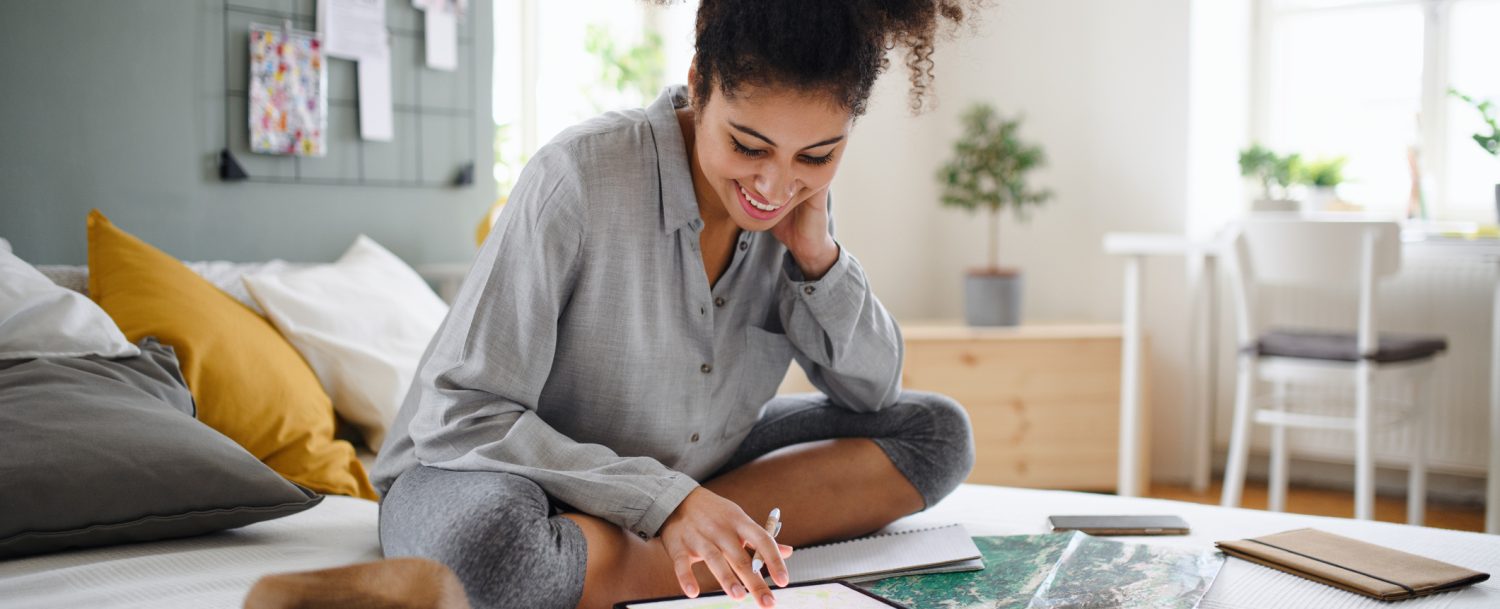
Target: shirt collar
(679, 202)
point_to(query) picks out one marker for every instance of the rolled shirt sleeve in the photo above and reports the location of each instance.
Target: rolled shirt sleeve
(847, 343)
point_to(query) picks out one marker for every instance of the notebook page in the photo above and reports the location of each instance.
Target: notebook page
(893, 554)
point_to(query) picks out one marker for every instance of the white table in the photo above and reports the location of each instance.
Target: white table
(1135, 247)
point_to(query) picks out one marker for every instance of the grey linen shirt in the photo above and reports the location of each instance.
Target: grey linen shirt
(587, 352)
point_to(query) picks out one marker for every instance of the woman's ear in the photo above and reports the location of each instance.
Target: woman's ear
(692, 86)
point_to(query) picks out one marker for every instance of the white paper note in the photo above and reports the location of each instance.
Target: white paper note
(352, 29)
(375, 113)
(442, 35)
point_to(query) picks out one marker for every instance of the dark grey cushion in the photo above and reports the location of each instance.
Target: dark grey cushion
(1344, 346)
(96, 451)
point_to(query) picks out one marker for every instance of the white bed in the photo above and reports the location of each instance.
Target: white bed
(215, 571)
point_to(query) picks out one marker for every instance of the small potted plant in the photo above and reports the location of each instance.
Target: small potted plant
(1490, 142)
(1322, 177)
(988, 171)
(1270, 169)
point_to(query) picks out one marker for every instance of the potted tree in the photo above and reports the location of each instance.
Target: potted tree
(1490, 142)
(988, 171)
(1269, 169)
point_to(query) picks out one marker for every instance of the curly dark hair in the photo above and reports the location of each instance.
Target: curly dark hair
(837, 46)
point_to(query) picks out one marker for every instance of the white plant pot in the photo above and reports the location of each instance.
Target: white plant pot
(1320, 198)
(1274, 205)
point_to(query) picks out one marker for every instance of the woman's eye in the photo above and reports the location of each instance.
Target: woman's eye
(740, 148)
(818, 160)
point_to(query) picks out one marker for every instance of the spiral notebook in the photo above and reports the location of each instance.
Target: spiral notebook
(944, 549)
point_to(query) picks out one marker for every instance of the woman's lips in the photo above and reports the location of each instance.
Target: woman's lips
(754, 207)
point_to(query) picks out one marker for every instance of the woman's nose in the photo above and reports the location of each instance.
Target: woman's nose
(777, 191)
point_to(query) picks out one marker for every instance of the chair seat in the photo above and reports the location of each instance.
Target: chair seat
(1344, 346)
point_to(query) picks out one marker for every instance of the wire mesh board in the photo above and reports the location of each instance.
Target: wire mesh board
(436, 123)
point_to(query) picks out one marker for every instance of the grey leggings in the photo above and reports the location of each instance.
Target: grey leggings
(510, 547)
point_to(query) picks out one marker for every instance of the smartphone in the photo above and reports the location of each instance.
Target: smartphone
(1120, 525)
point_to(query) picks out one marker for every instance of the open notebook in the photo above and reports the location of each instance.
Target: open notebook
(942, 549)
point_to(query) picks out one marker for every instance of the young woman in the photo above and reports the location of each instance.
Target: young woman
(596, 419)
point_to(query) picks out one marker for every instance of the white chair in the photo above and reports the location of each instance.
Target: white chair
(1321, 255)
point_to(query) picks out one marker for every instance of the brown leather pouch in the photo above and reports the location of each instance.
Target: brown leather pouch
(1353, 565)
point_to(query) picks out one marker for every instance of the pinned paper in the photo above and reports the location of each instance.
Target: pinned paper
(288, 109)
(442, 35)
(353, 29)
(442, 31)
(374, 79)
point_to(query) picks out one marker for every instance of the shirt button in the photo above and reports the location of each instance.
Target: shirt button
(702, 310)
(705, 368)
(694, 438)
(719, 302)
(642, 534)
(744, 245)
(809, 290)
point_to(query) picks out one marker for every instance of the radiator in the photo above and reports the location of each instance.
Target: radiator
(1443, 290)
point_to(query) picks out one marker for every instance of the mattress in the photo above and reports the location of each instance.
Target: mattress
(215, 571)
(209, 572)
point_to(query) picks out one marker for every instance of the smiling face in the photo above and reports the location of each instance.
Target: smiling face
(759, 155)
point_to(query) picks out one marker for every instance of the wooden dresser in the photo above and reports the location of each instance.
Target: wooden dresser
(1044, 400)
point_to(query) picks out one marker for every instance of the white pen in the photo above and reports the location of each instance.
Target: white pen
(773, 527)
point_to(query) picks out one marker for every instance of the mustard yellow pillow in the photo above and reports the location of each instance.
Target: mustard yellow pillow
(248, 382)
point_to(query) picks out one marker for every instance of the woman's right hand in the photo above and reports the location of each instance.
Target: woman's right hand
(713, 530)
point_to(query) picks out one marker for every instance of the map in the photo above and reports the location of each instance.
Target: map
(1060, 570)
(1096, 572)
(1015, 566)
(816, 596)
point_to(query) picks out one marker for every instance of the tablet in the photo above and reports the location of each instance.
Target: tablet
(817, 595)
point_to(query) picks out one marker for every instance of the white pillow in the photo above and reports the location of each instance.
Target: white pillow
(39, 318)
(362, 323)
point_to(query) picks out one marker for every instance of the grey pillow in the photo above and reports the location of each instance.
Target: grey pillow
(96, 452)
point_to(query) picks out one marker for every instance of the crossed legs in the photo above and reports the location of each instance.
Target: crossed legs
(834, 473)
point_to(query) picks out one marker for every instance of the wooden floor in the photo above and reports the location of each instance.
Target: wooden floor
(1324, 502)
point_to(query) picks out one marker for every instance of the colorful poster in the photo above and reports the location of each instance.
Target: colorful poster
(288, 103)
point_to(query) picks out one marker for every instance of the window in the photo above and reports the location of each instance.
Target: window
(1367, 80)
(559, 63)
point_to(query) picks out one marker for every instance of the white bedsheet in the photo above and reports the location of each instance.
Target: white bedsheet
(209, 572)
(215, 571)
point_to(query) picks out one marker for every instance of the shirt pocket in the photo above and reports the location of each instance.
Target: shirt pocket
(761, 368)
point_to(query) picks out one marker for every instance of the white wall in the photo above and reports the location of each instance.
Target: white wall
(1104, 86)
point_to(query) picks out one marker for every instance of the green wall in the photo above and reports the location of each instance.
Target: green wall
(119, 104)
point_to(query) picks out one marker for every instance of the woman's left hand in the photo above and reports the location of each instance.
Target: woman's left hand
(804, 232)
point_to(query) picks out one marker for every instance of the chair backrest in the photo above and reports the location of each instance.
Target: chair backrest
(1312, 254)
